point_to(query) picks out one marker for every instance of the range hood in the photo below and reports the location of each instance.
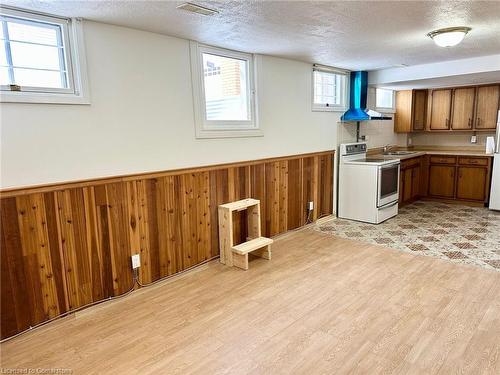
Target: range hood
(357, 100)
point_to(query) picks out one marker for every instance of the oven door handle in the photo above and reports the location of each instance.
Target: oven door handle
(387, 205)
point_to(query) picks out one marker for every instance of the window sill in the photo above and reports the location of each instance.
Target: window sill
(329, 109)
(241, 133)
(385, 110)
(42, 98)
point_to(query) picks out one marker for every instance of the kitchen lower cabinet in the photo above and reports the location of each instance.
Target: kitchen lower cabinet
(409, 181)
(401, 187)
(471, 183)
(415, 182)
(460, 178)
(442, 181)
(407, 184)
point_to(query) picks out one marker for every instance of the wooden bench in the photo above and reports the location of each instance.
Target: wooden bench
(237, 255)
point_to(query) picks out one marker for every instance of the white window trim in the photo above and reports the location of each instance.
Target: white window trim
(222, 129)
(385, 109)
(77, 67)
(331, 108)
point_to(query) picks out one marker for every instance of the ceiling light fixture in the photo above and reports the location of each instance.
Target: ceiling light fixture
(190, 7)
(450, 36)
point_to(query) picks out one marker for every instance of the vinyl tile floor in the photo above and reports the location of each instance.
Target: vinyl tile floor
(461, 234)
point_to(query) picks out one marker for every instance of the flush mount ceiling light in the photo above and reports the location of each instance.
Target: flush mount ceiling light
(197, 9)
(450, 36)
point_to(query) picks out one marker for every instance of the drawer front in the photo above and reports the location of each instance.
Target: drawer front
(443, 159)
(472, 161)
(408, 163)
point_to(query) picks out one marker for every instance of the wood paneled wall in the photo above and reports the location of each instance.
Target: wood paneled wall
(65, 246)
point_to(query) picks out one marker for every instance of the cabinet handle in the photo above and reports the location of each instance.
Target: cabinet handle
(470, 122)
(478, 121)
(447, 123)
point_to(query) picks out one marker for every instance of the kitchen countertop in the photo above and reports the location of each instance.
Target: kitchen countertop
(459, 153)
(416, 153)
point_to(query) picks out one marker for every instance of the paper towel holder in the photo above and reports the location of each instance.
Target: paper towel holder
(490, 145)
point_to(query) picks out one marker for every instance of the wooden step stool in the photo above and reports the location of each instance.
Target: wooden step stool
(231, 255)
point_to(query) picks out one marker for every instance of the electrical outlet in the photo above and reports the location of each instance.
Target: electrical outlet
(310, 205)
(410, 141)
(136, 261)
(473, 139)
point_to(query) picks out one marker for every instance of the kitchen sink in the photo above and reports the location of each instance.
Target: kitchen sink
(399, 153)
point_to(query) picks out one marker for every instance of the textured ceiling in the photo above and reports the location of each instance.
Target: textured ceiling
(354, 35)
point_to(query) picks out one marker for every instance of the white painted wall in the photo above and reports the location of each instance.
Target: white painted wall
(141, 116)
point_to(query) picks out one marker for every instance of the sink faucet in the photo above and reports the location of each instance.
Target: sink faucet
(387, 148)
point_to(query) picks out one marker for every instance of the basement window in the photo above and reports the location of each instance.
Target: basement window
(224, 92)
(41, 59)
(329, 89)
(384, 100)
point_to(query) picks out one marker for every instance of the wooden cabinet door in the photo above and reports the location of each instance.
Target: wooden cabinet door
(462, 115)
(402, 117)
(488, 98)
(440, 109)
(471, 183)
(442, 181)
(407, 184)
(401, 185)
(415, 182)
(419, 109)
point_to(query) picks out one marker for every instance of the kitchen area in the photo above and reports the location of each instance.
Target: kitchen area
(433, 188)
(458, 173)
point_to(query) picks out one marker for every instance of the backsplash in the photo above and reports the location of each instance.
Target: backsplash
(378, 132)
(448, 139)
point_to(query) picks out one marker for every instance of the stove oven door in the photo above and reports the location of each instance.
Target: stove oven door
(388, 184)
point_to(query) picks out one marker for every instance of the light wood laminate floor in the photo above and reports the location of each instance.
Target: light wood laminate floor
(322, 305)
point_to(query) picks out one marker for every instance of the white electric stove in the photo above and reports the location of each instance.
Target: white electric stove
(368, 187)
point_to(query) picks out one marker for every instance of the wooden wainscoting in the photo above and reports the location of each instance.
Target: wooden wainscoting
(67, 245)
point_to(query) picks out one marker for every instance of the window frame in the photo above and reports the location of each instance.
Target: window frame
(77, 91)
(385, 109)
(318, 107)
(222, 128)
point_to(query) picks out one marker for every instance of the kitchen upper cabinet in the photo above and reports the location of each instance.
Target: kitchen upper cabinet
(471, 108)
(463, 108)
(402, 117)
(471, 183)
(411, 109)
(419, 110)
(487, 105)
(440, 109)
(442, 181)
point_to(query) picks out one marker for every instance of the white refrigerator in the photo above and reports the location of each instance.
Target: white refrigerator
(495, 178)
